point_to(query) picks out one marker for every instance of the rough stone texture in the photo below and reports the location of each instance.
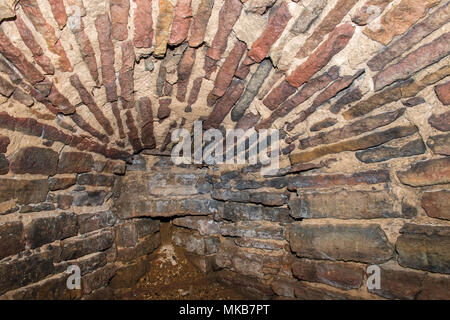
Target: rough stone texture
(12, 239)
(35, 160)
(397, 20)
(364, 205)
(423, 247)
(437, 204)
(227, 18)
(443, 93)
(384, 153)
(440, 121)
(426, 173)
(275, 27)
(413, 62)
(163, 26)
(200, 23)
(328, 25)
(341, 242)
(75, 162)
(341, 275)
(440, 144)
(371, 140)
(336, 41)
(181, 22)
(119, 17)
(143, 24)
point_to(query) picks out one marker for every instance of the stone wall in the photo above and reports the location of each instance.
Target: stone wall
(359, 90)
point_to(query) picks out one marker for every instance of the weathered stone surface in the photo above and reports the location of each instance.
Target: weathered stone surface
(76, 247)
(34, 13)
(426, 173)
(103, 26)
(398, 282)
(194, 243)
(413, 62)
(307, 17)
(184, 70)
(337, 274)
(249, 212)
(323, 124)
(384, 153)
(146, 226)
(24, 270)
(60, 183)
(275, 27)
(35, 160)
(143, 24)
(328, 25)
(126, 75)
(89, 101)
(397, 20)
(46, 229)
(440, 144)
(128, 275)
(337, 41)
(164, 110)
(165, 208)
(11, 238)
(346, 242)
(309, 89)
(4, 165)
(133, 134)
(260, 243)
(87, 52)
(75, 162)
(13, 54)
(368, 141)
(441, 121)
(331, 91)
(224, 104)
(200, 22)
(414, 35)
(7, 9)
(119, 17)
(6, 88)
(227, 18)
(25, 191)
(146, 123)
(204, 225)
(412, 102)
(253, 229)
(228, 69)
(143, 247)
(98, 279)
(279, 95)
(437, 204)
(346, 99)
(265, 198)
(163, 26)
(424, 247)
(363, 205)
(181, 22)
(59, 12)
(371, 10)
(251, 91)
(29, 40)
(443, 93)
(88, 222)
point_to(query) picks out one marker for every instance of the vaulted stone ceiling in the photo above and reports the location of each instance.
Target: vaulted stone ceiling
(116, 77)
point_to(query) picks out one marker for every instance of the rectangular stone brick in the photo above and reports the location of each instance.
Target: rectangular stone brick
(12, 240)
(344, 205)
(347, 242)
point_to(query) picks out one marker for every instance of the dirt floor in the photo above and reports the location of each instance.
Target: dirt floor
(173, 277)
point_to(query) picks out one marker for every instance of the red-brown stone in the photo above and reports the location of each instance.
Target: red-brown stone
(59, 12)
(437, 204)
(119, 18)
(143, 24)
(184, 70)
(146, 119)
(133, 134)
(443, 93)
(278, 95)
(275, 27)
(181, 22)
(126, 75)
(4, 143)
(337, 41)
(228, 16)
(200, 22)
(228, 69)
